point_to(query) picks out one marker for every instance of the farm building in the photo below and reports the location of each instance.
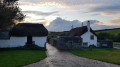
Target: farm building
(24, 33)
(86, 33)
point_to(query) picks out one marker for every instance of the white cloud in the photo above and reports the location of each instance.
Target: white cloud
(60, 24)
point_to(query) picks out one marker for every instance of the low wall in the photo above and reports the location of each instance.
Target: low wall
(65, 43)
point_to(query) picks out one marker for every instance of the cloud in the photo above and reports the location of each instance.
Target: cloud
(111, 13)
(93, 7)
(101, 27)
(61, 3)
(114, 22)
(106, 10)
(68, 3)
(60, 24)
(40, 13)
(39, 16)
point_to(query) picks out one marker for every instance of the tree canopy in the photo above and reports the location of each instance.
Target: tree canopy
(9, 13)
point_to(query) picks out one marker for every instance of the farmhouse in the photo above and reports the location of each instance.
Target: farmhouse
(86, 33)
(24, 33)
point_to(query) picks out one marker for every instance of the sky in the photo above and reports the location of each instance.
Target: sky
(61, 15)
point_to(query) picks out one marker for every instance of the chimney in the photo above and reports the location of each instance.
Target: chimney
(88, 25)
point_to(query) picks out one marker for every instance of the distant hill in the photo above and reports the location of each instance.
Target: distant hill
(114, 31)
(64, 33)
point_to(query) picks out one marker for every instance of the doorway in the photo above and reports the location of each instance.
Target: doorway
(29, 40)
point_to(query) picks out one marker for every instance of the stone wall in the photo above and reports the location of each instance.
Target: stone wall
(67, 42)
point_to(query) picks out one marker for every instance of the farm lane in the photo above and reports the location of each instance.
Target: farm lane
(56, 58)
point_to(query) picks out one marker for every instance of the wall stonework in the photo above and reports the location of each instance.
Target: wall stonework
(67, 42)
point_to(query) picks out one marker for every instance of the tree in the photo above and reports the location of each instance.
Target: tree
(9, 13)
(106, 36)
(118, 38)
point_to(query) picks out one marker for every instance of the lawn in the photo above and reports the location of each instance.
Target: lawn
(18, 58)
(106, 55)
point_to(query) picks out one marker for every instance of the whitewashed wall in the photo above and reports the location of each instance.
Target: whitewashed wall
(86, 38)
(13, 42)
(40, 41)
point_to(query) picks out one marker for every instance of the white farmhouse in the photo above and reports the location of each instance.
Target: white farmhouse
(86, 33)
(24, 33)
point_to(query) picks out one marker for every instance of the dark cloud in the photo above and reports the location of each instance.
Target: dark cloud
(73, 2)
(101, 27)
(106, 8)
(40, 13)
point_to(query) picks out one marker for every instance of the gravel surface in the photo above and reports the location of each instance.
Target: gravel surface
(56, 58)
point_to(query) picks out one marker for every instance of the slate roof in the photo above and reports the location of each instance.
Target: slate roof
(79, 31)
(4, 35)
(29, 29)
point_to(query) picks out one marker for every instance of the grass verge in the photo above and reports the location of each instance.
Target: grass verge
(18, 58)
(107, 55)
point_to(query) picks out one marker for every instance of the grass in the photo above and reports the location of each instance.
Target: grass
(107, 55)
(18, 58)
(113, 31)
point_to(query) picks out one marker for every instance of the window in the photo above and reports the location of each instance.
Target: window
(85, 44)
(92, 37)
(104, 45)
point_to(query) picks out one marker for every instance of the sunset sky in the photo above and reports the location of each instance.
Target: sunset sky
(60, 15)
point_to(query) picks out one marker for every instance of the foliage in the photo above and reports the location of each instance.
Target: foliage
(19, 58)
(33, 47)
(107, 55)
(111, 34)
(116, 43)
(105, 36)
(108, 36)
(9, 13)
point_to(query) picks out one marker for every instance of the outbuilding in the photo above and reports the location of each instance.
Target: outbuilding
(26, 33)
